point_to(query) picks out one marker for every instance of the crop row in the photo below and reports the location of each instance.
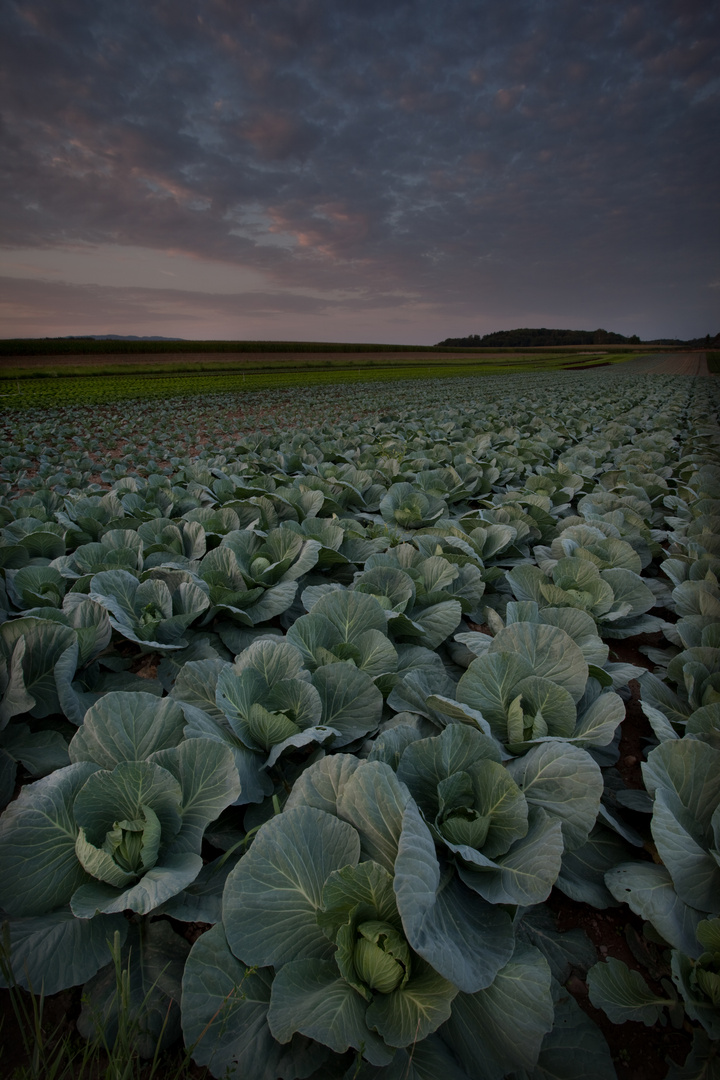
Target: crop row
(344, 694)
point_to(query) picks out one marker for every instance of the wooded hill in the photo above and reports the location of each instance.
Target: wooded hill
(542, 336)
(526, 338)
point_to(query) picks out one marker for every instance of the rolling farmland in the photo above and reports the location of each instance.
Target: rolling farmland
(400, 699)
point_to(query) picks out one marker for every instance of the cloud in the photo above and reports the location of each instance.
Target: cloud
(471, 157)
(70, 309)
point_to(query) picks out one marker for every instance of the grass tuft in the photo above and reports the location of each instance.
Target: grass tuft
(51, 1052)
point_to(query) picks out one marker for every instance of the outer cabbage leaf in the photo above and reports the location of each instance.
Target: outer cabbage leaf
(623, 994)
(311, 997)
(27, 671)
(564, 781)
(683, 776)
(351, 703)
(127, 727)
(54, 951)
(373, 800)
(551, 652)
(274, 893)
(575, 1049)
(224, 1016)
(208, 783)
(459, 934)
(500, 1029)
(320, 785)
(39, 870)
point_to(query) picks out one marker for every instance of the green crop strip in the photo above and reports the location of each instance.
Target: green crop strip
(48, 389)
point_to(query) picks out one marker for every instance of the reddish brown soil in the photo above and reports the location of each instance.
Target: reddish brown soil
(638, 1052)
(686, 363)
(231, 359)
(586, 367)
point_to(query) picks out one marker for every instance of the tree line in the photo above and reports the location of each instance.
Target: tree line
(541, 336)
(527, 337)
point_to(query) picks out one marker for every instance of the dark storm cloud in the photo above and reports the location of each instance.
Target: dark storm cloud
(486, 160)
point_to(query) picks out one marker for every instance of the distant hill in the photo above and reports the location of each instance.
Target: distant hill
(527, 337)
(707, 342)
(117, 337)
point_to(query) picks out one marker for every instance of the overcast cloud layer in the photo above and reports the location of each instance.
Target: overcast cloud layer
(359, 170)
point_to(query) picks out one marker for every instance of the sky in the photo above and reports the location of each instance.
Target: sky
(394, 171)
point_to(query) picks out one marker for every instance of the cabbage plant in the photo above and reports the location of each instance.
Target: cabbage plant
(32, 538)
(154, 612)
(600, 546)
(339, 968)
(119, 829)
(343, 947)
(407, 506)
(179, 542)
(531, 683)
(267, 704)
(422, 605)
(87, 518)
(683, 778)
(503, 827)
(344, 626)
(117, 549)
(251, 579)
(351, 626)
(617, 598)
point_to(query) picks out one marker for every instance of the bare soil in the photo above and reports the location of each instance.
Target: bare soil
(638, 1052)
(229, 359)
(681, 363)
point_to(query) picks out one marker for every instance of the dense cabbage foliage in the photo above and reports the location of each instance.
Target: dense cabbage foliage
(348, 694)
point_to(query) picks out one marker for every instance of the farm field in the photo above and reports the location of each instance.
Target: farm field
(373, 731)
(28, 381)
(678, 363)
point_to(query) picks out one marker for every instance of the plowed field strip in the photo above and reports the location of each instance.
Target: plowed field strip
(690, 363)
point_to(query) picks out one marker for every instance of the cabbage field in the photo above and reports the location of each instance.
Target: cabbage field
(311, 711)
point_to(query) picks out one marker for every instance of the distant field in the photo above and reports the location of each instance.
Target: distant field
(679, 363)
(246, 361)
(125, 346)
(43, 381)
(240, 361)
(30, 382)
